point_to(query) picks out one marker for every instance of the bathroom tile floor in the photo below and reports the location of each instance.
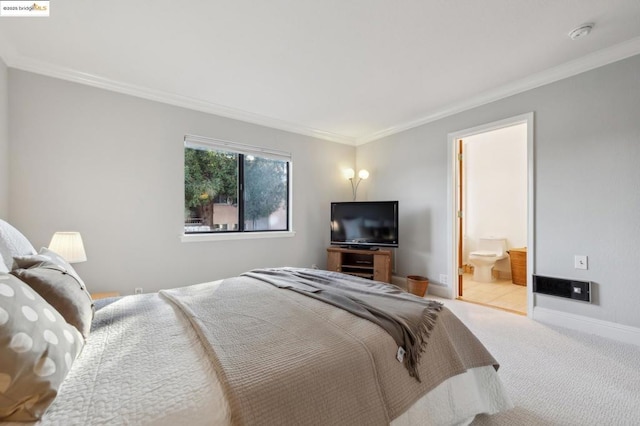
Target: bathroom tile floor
(501, 294)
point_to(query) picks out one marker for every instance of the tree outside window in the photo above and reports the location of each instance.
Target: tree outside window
(227, 191)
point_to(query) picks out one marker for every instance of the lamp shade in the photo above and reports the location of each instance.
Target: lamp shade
(69, 246)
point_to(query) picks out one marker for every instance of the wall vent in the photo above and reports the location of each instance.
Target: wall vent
(569, 289)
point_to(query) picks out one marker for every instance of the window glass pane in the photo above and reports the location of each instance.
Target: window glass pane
(210, 190)
(265, 194)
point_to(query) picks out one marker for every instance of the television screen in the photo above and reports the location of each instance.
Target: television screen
(365, 223)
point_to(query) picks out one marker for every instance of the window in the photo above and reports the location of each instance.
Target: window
(230, 187)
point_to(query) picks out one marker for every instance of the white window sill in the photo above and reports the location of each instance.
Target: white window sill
(222, 236)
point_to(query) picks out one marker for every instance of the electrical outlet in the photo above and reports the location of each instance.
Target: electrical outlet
(581, 262)
(444, 279)
(138, 290)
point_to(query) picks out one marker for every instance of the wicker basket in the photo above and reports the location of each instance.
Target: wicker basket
(417, 285)
(518, 258)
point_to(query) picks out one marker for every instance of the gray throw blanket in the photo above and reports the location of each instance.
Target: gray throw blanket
(407, 318)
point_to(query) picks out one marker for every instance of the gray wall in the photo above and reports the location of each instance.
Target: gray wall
(4, 141)
(587, 156)
(111, 166)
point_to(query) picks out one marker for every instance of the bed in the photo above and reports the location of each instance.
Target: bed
(162, 358)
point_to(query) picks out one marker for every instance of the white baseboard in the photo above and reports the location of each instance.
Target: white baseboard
(611, 330)
(439, 290)
(434, 289)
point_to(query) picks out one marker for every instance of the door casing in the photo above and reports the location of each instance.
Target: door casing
(453, 201)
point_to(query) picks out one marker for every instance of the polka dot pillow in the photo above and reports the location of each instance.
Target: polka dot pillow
(12, 243)
(37, 349)
(3, 266)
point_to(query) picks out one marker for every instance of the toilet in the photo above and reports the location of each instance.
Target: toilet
(490, 250)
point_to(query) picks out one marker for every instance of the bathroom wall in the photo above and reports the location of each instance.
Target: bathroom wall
(495, 188)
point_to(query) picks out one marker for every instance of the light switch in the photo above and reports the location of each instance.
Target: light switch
(581, 262)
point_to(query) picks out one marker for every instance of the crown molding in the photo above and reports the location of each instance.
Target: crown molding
(594, 60)
(50, 70)
(569, 69)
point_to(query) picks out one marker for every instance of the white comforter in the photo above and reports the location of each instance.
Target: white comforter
(144, 364)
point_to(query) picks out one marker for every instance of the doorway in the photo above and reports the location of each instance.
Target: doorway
(491, 210)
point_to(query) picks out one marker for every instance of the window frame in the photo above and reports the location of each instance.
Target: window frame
(194, 141)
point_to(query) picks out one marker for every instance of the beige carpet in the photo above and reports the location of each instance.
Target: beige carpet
(556, 376)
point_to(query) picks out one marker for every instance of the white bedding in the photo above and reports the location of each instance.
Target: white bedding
(143, 364)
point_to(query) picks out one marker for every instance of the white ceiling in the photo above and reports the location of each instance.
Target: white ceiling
(344, 70)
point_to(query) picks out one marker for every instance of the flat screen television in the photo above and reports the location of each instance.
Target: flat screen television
(365, 224)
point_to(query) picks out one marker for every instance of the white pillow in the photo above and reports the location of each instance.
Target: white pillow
(12, 244)
(3, 267)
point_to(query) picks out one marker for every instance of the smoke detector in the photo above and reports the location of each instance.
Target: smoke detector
(582, 31)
